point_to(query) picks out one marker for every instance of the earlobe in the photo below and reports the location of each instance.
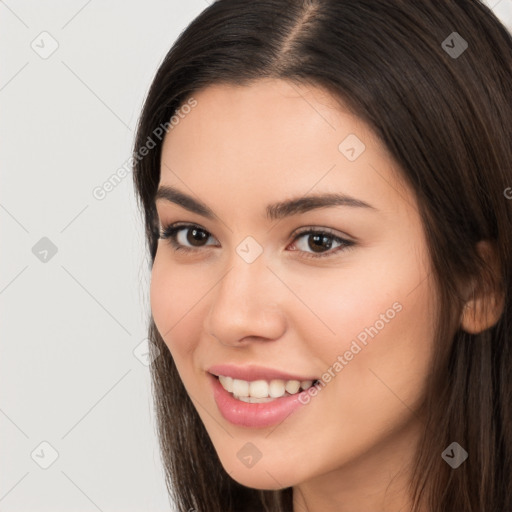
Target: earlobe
(485, 305)
(478, 316)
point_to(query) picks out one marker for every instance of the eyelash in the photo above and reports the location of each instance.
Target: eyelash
(169, 233)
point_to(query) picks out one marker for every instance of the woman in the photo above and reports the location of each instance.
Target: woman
(326, 196)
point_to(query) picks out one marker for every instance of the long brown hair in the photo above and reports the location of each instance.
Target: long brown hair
(444, 112)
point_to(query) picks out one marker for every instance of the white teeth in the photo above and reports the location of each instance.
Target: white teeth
(306, 384)
(259, 391)
(227, 383)
(277, 388)
(292, 386)
(251, 400)
(240, 387)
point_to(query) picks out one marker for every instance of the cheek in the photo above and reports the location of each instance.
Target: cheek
(170, 298)
(161, 293)
(378, 317)
(358, 304)
(178, 297)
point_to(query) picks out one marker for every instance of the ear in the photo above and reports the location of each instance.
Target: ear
(484, 305)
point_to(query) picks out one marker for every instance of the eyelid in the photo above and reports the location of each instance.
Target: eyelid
(323, 229)
(179, 225)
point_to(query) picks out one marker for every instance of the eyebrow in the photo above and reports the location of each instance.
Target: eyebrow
(274, 211)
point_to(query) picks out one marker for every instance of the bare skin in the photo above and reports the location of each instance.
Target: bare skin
(350, 449)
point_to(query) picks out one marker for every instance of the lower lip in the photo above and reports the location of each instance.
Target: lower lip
(254, 415)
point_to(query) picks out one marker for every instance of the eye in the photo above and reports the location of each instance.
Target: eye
(320, 241)
(195, 236)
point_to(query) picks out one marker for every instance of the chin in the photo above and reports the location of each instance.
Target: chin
(262, 482)
(260, 476)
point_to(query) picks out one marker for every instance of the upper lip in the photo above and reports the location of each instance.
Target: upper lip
(254, 372)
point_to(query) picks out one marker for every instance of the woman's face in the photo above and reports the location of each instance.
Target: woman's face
(257, 293)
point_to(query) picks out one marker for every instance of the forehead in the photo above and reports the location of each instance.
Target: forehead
(274, 136)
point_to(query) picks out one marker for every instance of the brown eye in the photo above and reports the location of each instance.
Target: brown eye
(192, 238)
(196, 236)
(319, 243)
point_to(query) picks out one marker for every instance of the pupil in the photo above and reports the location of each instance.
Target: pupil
(319, 239)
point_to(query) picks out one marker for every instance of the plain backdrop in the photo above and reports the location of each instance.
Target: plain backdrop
(76, 416)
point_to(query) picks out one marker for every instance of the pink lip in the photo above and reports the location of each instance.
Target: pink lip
(254, 372)
(254, 415)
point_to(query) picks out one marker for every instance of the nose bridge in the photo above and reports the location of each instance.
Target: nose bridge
(243, 285)
(245, 302)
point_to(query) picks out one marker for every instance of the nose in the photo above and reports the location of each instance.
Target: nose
(247, 304)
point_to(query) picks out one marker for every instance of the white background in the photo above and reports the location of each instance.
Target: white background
(69, 325)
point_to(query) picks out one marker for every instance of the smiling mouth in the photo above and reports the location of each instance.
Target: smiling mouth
(261, 391)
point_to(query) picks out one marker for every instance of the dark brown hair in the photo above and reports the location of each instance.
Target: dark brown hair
(446, 119)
